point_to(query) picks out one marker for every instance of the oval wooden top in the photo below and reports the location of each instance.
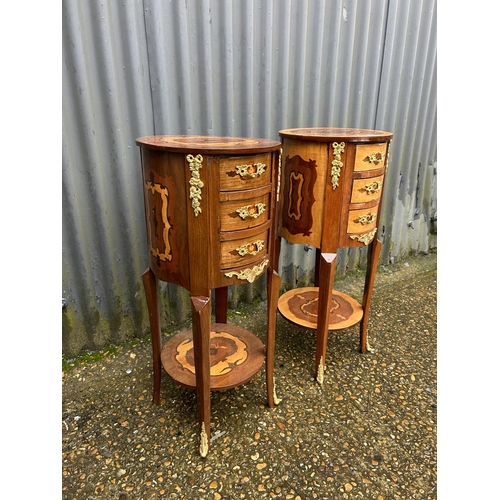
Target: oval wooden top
(326, 134)
(199, 144)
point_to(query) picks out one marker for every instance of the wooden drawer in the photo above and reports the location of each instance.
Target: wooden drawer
(370, 156)
(243, 251)
(245, 172)
(360, 221)
(245, 213)
(364, 190)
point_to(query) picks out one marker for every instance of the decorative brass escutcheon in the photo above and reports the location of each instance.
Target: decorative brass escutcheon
(366, 219)
(253, 170)
(373, 187)
(251, 210)
(376, 157)
(249, 274)
(251, 248)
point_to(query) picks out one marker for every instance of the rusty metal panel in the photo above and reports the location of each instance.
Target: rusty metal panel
(220, 67)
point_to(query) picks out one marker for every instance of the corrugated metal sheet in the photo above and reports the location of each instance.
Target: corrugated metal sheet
(221, 67)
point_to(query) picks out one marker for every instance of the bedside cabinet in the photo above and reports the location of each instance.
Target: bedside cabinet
(331, 183)
(211, 223)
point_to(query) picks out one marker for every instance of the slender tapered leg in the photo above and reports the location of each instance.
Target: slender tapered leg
(201, 345)
(326, 274)
(316, 266)
(221, 295)
(373, 255)
(151, 289)
(273, 288)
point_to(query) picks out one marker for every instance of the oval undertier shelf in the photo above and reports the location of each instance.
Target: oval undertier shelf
(236, 355)
(300, 306)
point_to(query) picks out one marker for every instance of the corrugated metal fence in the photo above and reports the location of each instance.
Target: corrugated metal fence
(221, 67)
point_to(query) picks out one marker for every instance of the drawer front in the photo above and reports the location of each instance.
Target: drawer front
(245, 213)
(361, 221)
(243, 251)
(370, 156)
(364, 190)
(245, 172)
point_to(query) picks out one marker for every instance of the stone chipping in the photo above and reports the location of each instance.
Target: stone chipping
(369, 432)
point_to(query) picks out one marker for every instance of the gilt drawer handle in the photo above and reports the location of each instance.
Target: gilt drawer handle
(251, 248)
(375, 157)
(249, 274)
(253, 170)
(251, 210)
(366, 219)
(364, 238)
(374, 187)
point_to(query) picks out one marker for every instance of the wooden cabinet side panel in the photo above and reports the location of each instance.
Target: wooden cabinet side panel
(302, 186)
(165, 209)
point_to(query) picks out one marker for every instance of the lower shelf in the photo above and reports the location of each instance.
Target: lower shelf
(236, 355)
(300, 306)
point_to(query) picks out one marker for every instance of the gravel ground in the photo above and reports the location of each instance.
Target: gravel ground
(369, 432)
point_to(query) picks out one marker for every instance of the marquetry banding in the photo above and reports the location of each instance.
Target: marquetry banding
(163, 192)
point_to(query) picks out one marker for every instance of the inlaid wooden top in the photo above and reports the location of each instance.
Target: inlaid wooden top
(208, 144)
(326, 134)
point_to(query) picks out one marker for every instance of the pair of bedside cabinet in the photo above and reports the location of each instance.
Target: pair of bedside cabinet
(216, 210)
